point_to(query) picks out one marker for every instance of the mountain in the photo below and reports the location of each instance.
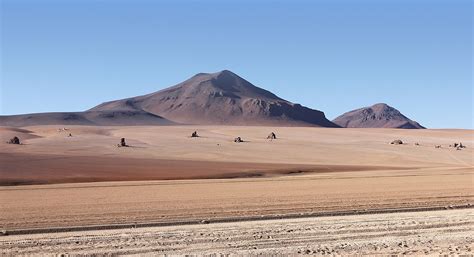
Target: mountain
(221, 98)
(377, 116)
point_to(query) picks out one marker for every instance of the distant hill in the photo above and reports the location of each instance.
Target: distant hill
(220, 98)
(376, 116)
(107, 118)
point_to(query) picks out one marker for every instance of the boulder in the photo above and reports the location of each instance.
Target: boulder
(272, 136)
(14, 140)
(122, 143)
(397, 142)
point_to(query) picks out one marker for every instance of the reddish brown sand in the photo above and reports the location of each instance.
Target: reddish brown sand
(63, 205)
(343, 170)
(16, 169)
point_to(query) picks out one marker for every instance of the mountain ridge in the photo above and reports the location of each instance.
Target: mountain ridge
(221, 98)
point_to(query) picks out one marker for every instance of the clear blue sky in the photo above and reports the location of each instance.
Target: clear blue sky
(333, 55)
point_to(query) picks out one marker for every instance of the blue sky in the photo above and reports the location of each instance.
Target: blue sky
(335, 56)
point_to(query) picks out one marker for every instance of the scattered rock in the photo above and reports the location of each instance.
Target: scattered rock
(458, 146)
(397, 142)
(14, 141)
(122, 143)
(272, 136)
(402, 244)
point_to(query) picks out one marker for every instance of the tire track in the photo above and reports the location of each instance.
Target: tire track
(227, 220)
(433, 232)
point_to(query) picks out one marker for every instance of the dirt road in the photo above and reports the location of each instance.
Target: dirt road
(418, 233)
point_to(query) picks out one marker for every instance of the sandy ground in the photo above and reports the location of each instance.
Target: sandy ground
(163, 201)
(166, 176)
(53, 169)
(50, 156)
(433, 233)
(294, 146)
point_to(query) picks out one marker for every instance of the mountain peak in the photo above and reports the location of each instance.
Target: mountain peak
(228, 72)
(227, 76)
(381, 108)
(379, 115)
(380, 105)
(215, 74)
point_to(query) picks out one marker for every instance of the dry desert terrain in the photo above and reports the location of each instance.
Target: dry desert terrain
(166, 182)
(432, 233)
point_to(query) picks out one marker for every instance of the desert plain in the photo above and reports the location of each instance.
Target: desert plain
(310, 191)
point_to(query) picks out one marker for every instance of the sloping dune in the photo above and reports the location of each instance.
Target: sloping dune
(6, 133)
